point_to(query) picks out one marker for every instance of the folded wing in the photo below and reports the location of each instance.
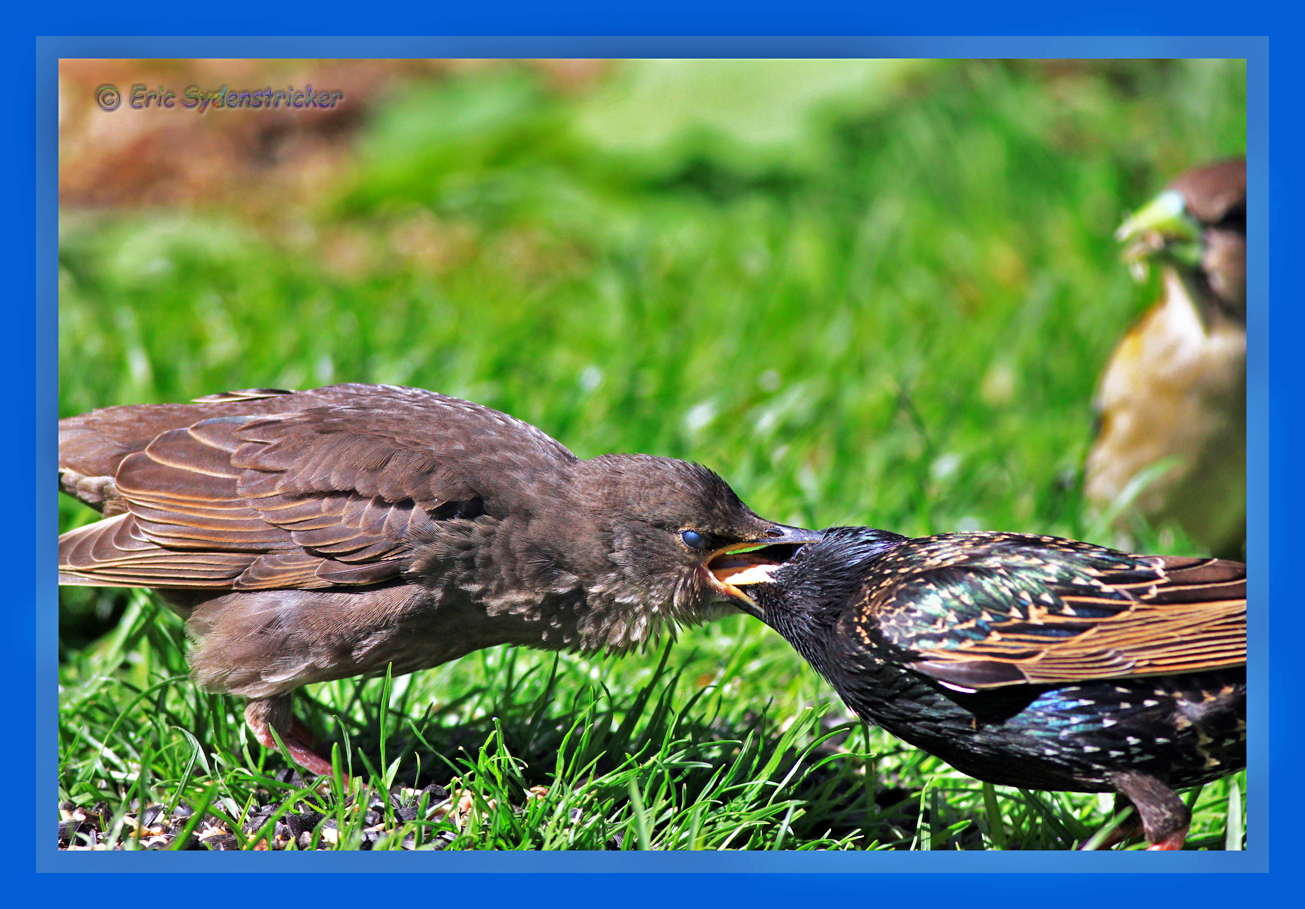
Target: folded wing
(1036, 610)
(312, 489)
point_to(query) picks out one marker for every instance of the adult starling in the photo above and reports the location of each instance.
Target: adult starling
(1174, 391)
(1028, 660)
(317, 535)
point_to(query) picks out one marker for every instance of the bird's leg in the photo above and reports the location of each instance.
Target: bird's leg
(1165, 818)
(265, 714)
(1131, 826)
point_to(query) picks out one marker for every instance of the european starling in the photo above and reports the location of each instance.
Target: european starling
(317, 535)
(1028, 660)
(1174, 392)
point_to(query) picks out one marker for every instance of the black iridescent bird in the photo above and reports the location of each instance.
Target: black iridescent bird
(1028, 661)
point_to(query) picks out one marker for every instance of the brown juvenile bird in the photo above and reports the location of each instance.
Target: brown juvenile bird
(316, 535)
(1175, 388)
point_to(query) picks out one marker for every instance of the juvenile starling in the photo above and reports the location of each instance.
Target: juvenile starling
(317, 535)
(1028, 660)
(1175, 388)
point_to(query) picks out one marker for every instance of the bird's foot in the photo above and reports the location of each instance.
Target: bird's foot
(265, 714)
(303, 753)
(1171, 843)
(1130, 827)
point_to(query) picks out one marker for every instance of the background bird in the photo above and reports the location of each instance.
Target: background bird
(317, 535)
(1028, 661)
(1174, 391)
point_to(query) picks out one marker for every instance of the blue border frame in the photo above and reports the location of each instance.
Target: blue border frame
(1256, 859)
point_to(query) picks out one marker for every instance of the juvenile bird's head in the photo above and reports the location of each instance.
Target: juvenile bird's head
(651, 537)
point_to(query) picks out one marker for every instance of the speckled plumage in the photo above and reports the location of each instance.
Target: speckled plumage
(317, 535)
(1030, 660)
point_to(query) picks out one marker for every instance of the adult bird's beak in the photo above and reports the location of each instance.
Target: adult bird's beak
(752, 563)
(780, 535)
(1162, 224)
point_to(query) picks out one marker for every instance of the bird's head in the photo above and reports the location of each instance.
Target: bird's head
(1197, 225)
(669, 532)
(813, 589)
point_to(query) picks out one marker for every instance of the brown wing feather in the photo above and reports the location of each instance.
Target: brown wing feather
(92, 445)
(312, 489)
(1190, 616)
(115, 553)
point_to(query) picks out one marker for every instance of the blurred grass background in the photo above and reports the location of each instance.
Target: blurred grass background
(864, 292)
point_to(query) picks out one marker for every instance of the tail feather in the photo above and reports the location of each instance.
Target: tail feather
(110, 553)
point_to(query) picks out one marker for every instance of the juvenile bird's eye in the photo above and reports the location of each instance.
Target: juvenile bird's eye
(693, 539)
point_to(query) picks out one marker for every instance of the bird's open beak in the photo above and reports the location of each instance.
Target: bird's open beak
(1162, 224)
(752, 563)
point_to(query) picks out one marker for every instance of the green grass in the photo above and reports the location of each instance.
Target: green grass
(889, 312)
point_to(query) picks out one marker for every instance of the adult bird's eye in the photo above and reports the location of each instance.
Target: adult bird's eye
(693, 539)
